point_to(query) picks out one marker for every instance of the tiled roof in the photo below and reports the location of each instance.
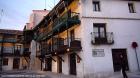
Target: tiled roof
(6, 31)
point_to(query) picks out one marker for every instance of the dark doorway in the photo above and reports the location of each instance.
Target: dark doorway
(49, 64)
(59, 63)
(72, 64)
(117, 60)
(16, 63)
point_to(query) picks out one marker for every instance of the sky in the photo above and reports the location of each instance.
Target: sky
(14, 14)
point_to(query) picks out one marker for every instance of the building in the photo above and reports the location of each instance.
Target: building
(35, 18)
(11, 49)
(86, 37)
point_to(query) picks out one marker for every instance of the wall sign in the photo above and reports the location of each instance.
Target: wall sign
(98, 53)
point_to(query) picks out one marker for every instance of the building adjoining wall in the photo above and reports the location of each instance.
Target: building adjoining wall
(11, 49)
(100, 58)
(30, 45)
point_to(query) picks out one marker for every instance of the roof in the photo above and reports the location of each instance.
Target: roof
(7, 31)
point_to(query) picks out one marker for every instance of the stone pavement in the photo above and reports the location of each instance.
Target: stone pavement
(32, 74)
(130, 75)
(42, 74)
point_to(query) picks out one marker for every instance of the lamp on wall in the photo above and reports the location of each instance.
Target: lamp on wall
(68, 49)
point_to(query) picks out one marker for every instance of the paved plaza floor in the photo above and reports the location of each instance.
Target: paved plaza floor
(42, 74)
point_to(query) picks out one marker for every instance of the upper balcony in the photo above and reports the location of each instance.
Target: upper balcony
(102, 38)
(58, 25)
(15, 53)
(66, 21)
(44, 51)
(9, 40)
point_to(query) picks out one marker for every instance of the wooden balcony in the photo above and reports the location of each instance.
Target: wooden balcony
(102, 38)
(62, 23)
(66, 21)
(62, 46)
(8, 40)
(15, 53)
(75, 45)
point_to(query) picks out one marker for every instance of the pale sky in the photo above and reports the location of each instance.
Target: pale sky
(14, 14)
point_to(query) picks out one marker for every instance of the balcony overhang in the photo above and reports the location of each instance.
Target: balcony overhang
(10, 54)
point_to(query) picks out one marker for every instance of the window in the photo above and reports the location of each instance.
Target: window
(131, 8)
(18, 47)
(5, 61)
(100, 30)
(96, 6)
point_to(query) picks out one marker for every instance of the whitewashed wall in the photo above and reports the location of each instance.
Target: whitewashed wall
(10, 64)
(125, 27)
(111, 8)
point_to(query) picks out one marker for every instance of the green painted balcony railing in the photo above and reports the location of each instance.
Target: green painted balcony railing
(8, 40)
(62, 23)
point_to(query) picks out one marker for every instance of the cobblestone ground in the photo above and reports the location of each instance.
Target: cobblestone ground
(130, 75)
(32, 74)
(41, 74)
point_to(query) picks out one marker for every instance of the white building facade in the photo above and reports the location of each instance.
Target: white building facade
(117, 24)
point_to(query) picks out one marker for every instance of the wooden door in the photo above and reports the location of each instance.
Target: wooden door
(59, 62)
(49, 64)
(16, 63)
(117, 59)
(72, 64)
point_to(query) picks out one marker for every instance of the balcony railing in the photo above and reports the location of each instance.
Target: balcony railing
(10, 40)
(44, 51)
(60, 24)
(58, 46)
(69, 17)
(102, 38)
(15, 53)
(61, 46)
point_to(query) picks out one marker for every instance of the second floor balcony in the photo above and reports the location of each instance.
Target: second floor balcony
(8, 40)
(12, 53)
(62, 46)
(98, 38)
(58, 25)
(66, 21)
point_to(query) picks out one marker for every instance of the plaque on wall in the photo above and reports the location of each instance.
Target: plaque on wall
(98, 53)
